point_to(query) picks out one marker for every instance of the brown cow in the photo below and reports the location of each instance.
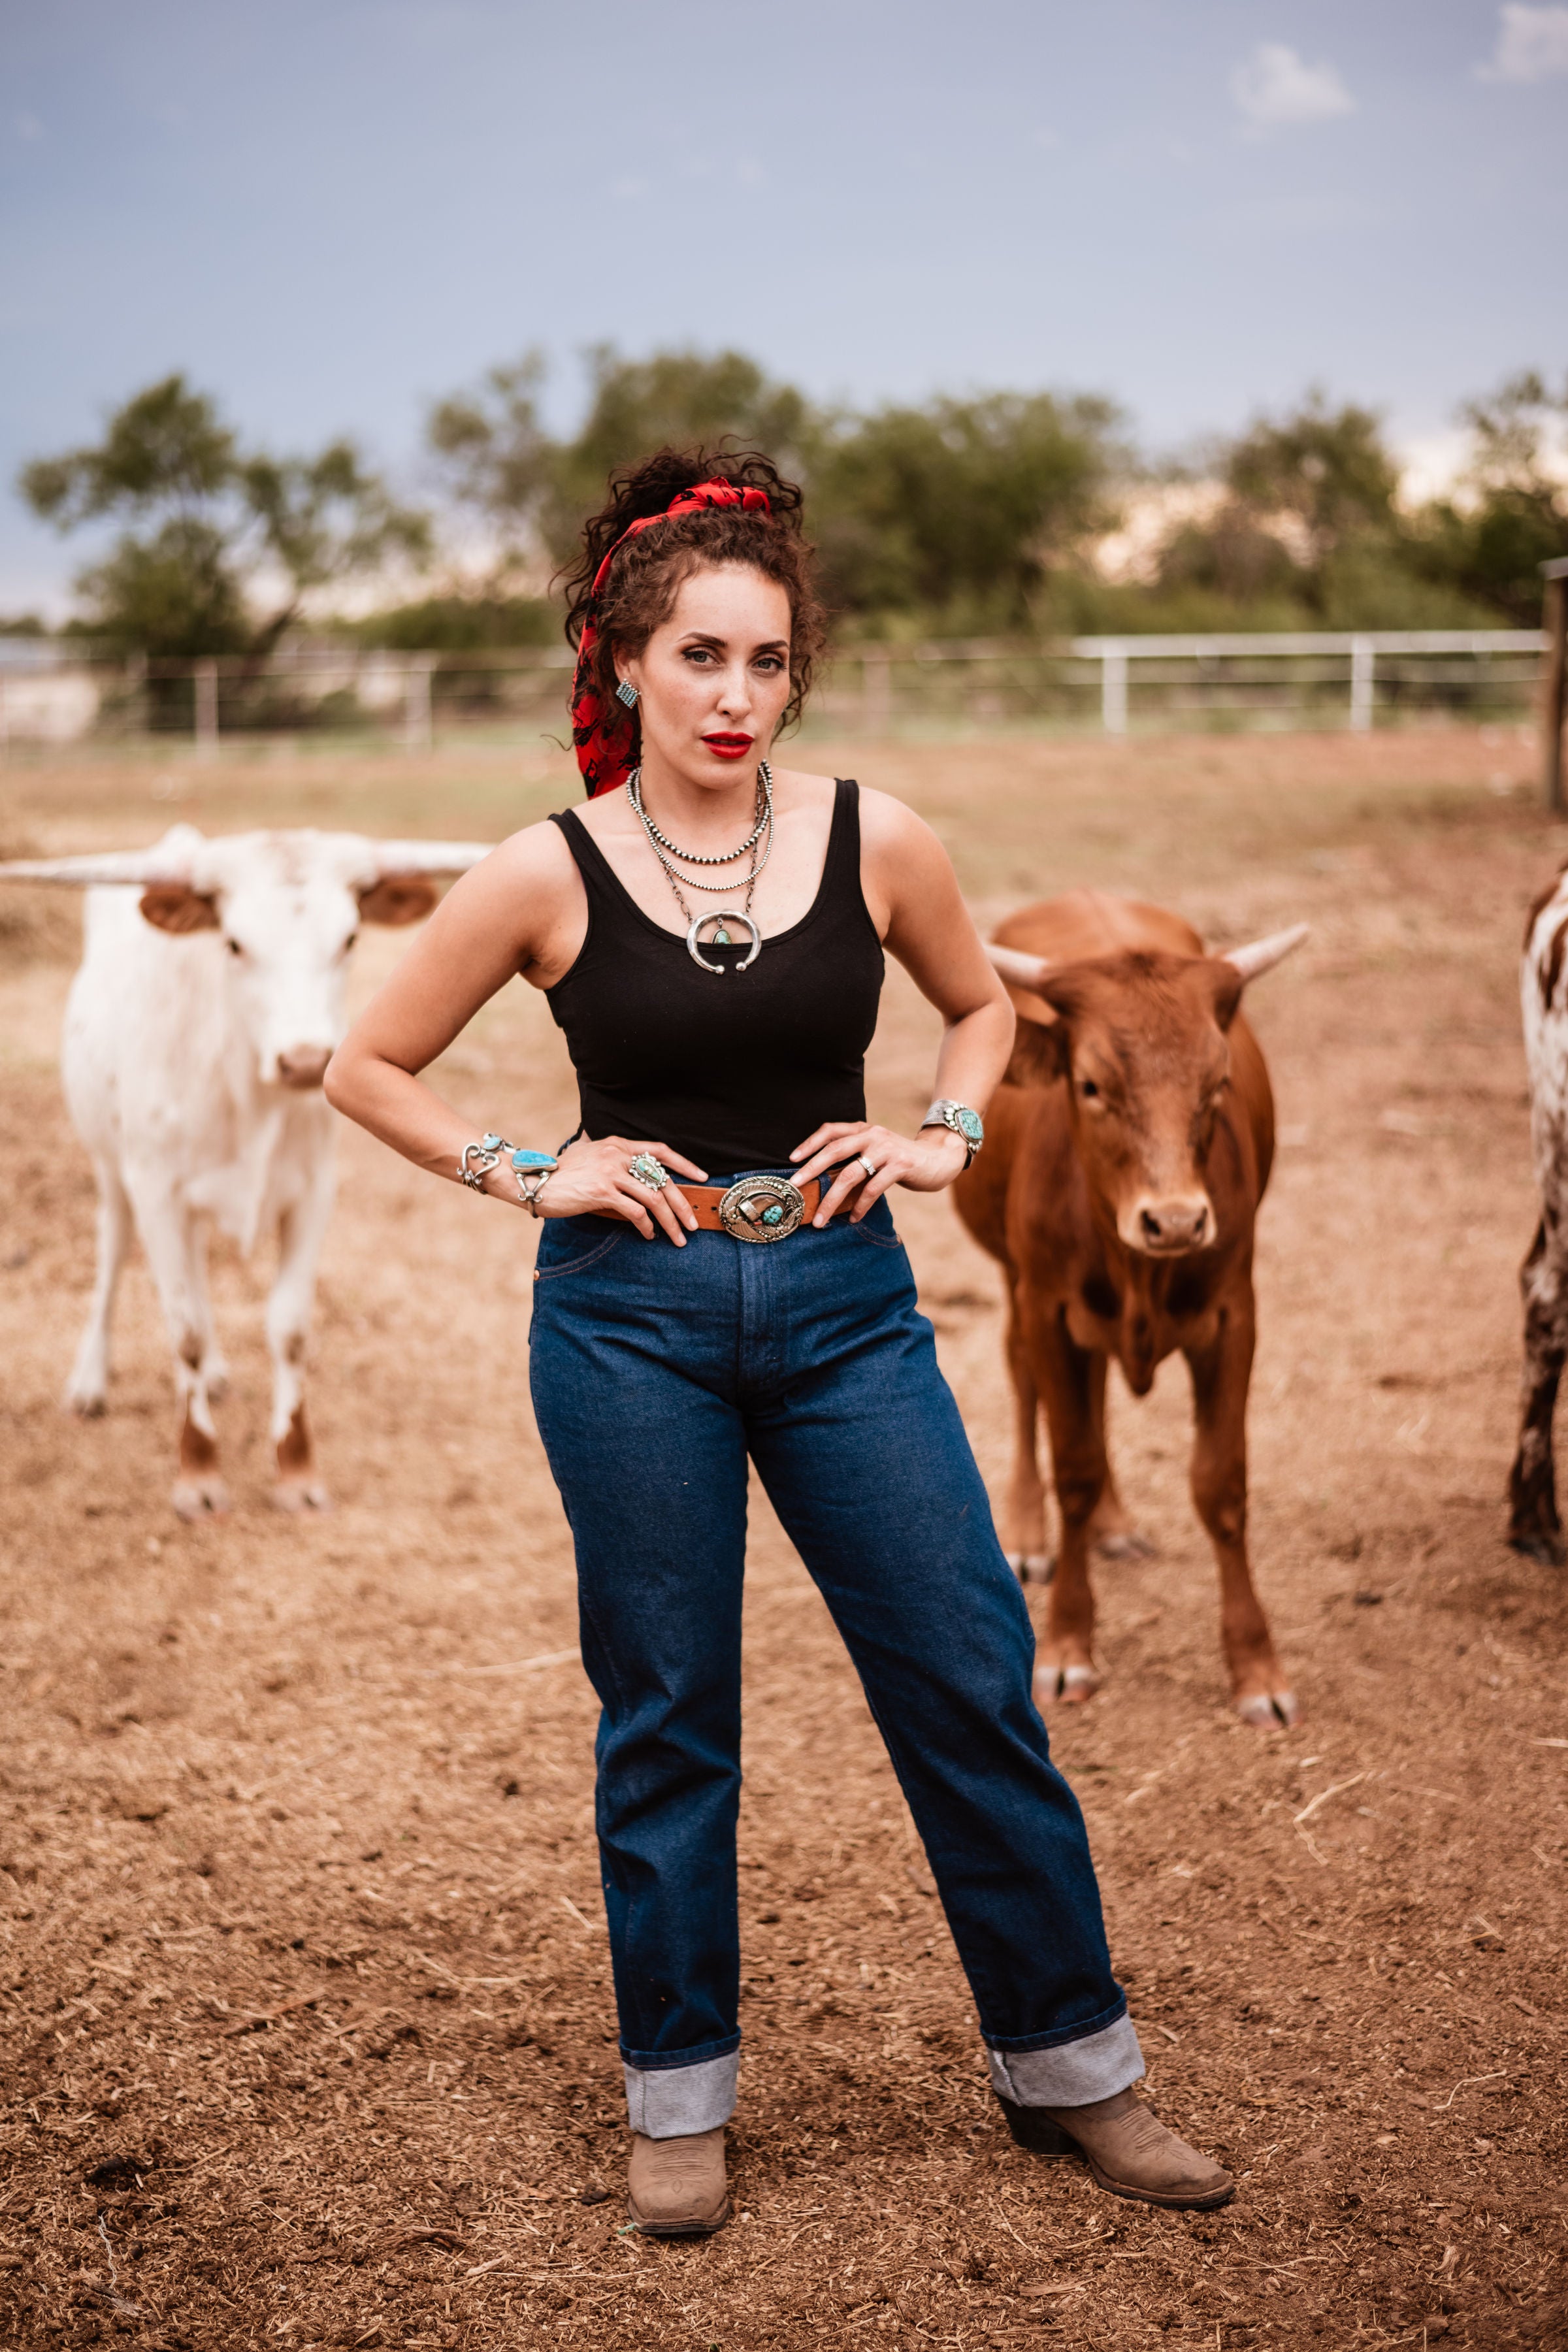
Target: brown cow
(1125, 1160)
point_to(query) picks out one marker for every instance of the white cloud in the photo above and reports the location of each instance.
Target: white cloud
(1531, 43)
(1276, 86)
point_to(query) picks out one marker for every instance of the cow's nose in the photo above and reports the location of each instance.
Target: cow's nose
(1176, 1224)
(303, 1067)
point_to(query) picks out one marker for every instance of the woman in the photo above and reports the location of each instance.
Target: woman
(719, 1278)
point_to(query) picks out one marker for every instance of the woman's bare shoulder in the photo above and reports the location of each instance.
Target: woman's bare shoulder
(520, 892)
(524, 902)
(889, 826)
(534, 854)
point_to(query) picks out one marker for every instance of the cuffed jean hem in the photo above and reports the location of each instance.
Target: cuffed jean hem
(668, 2102)
(1069, 2073)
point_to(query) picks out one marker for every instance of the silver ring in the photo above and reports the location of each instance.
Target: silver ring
(646, 1169)
(865, 1163)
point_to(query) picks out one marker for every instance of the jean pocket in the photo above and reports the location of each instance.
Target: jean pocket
(876, 1227)
(571, 1244)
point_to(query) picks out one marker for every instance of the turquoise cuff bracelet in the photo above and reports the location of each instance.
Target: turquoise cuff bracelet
(531, 1171)
(966, 1124)
(475, 1160)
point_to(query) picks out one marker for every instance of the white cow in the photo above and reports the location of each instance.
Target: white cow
(209, 1003)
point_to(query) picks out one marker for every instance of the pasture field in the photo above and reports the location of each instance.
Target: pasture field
(299, 1918)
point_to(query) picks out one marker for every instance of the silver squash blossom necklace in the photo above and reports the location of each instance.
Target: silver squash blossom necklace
(758, 841)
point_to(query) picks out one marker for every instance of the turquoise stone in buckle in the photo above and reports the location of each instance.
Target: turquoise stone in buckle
(762, 1209)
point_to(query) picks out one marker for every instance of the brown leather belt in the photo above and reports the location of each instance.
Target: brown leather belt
(755, 1208)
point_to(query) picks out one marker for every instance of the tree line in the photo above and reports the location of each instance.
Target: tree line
(953, 516)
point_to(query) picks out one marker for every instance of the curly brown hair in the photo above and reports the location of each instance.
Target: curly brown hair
(647, 573)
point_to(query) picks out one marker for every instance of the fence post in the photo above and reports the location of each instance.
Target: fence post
(1554, 685)
(876, 692)
(1113, 688)
(418, 730)
(135, 676)
(1363, 656)
(204, 676)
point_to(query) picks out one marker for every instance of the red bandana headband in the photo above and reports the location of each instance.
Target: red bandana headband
(603, 733)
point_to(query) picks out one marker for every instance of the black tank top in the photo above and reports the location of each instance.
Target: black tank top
(733, 1072)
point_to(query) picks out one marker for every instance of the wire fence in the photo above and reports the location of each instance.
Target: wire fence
(1117, 685)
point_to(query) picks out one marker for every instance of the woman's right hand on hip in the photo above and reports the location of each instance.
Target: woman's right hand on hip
(595, 1180)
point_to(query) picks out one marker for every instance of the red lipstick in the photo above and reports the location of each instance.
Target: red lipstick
(729, 747)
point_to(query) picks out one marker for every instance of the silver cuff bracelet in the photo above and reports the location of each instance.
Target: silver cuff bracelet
(531, 1171)
(530, 1186)
(475, 1160)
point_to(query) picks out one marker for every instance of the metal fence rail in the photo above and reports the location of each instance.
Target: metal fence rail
(1316, 677)
(1117, 685)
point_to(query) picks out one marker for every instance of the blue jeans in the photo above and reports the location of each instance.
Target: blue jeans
(655, 1371)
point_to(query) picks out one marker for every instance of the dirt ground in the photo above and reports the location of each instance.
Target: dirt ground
(299, 1932)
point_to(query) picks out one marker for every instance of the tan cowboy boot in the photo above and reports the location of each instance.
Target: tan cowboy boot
(676, 2187)
(1127, 2150)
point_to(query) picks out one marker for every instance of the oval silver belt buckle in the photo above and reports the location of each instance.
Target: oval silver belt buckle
(762, 1209)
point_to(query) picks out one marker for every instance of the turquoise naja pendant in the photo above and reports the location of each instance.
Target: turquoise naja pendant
(722, 939)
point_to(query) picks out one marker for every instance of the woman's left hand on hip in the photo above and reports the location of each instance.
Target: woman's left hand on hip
(875, 1158)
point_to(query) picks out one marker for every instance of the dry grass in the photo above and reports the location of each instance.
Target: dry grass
(300, 1918)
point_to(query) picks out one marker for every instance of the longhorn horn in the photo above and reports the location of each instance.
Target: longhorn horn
(169, 862)
(1259, 956)
(1023, 970)
(426, 856)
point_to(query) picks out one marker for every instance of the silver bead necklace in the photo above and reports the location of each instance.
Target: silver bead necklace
(693, 856)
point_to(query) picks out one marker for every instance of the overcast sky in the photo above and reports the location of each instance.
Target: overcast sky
(331, 213)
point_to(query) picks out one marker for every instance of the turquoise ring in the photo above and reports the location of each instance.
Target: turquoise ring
(648, 1171)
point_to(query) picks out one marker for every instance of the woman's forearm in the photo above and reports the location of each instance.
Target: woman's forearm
(400, 1109)
(975, 1050)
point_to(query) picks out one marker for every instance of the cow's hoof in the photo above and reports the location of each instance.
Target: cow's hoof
(298, 1494)
(1537, 1545)
(1065, 1685)
(200, 1498)
(1269, 1711)
(1126, 1543)
(1032, 1567)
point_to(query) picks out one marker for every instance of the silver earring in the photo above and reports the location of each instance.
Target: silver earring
(626, 692)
